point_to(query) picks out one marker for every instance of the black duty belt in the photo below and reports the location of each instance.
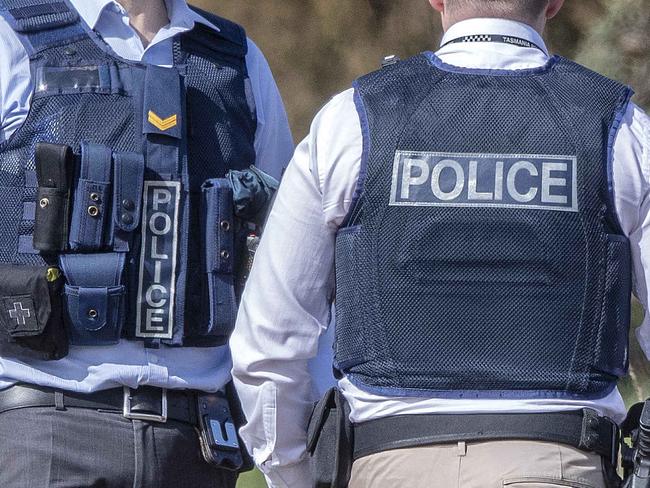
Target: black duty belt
(146, 403)
(582, 429)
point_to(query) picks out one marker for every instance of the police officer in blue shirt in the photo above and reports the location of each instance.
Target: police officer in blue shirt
(478, 214)
(127, 132)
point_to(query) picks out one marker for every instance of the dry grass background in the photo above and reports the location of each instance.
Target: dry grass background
(316, 48)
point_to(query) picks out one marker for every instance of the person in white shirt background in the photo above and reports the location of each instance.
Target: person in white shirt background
(48, 435)
(286, 306)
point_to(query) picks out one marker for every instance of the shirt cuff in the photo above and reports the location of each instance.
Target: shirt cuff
(290, 476)
(644, 342)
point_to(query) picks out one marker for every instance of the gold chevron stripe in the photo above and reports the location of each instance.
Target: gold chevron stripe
(162, 124)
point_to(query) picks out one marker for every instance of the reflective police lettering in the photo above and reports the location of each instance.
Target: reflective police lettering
(531, 181)
(155, 312)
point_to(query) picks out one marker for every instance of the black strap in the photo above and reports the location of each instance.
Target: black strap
(515, 41)
(582, 429)
(181, 404)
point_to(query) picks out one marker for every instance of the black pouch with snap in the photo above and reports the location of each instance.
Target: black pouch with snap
(54, 170)
(31, 318)
(330, 441)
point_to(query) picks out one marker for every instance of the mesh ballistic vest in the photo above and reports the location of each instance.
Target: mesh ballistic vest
(149, 262)
(482, 256)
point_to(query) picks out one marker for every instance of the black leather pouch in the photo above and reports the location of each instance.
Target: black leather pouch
(238, 416)
(330, 441)
(31, 317)
(54, 170)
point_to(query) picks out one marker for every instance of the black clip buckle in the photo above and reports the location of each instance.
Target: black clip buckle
(220, 444)
(224, 434)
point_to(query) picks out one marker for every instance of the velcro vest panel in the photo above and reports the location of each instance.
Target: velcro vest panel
(146, 140)
(482, 256)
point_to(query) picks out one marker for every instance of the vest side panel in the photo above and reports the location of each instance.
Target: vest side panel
(221, 137)
(358, 297)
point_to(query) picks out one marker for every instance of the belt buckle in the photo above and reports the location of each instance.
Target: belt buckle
(127, 413)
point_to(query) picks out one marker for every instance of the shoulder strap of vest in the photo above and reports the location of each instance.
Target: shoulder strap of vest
(602, 86)
(40, 24)
(597, 80)
(230, 39)
(397, 77)
(395, 73)
(390, 60)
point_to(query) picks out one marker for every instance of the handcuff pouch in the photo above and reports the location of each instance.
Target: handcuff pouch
(94, 297)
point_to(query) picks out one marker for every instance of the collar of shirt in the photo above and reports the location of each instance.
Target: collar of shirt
(97, 14)
(492, 55)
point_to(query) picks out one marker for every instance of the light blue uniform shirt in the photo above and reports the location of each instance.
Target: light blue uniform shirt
(88, 369)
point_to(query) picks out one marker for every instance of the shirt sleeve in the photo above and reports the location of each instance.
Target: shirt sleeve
(273, 140)
(631, 171)
(15, 82)
(286, 305)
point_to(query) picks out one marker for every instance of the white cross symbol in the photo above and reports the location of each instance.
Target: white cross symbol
(19, 313)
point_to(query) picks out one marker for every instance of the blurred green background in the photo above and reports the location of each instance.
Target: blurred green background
(316, 48)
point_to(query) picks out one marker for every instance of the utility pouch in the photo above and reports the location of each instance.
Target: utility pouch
(31, 319)
(94, 297)
(128, 182)
(253, 192)
(218, 423)
(330, 441)
(54, 170)
(90, 214)
(219, 254)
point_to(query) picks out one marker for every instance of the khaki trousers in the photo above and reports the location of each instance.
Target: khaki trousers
(498, 464)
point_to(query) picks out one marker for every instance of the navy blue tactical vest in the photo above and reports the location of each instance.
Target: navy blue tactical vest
(151, 247)
(482, 257)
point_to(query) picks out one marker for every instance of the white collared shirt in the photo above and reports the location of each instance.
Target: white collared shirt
(285, 310)
(129, 363)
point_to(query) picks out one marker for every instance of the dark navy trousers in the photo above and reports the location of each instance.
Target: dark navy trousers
(79, 448)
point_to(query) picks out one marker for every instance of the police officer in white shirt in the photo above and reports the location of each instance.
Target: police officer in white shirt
(112, 331)
(480, 212)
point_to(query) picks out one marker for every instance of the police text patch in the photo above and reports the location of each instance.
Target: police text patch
(157, 280)
(531, 181)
